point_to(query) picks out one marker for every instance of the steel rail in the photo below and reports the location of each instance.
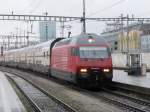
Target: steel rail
(120, 103)
(66, 106)
(34, 105)
(139, 101)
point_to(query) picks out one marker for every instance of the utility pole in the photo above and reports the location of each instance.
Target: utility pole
(16, 46)
(13, 41)
(128, 51)
(24, 39)
(27, 37)
(20, 38)
(46, 31)
(46, 27)
(83, 19)
(8, 42)
(62, 29)
(122, 36)
(3, 43)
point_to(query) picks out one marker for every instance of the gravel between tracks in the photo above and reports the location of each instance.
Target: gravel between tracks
(79, 100)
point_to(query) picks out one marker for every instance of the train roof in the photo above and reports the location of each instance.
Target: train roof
(82, 39)
(79, 39)
(44, 45)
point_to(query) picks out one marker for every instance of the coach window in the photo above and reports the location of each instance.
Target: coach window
(44, 54)
(47, 53)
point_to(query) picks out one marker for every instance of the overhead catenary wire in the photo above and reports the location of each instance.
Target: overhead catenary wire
(91, 3)
(143, 14)
(37, 5)
(30, 5)
(107, 8)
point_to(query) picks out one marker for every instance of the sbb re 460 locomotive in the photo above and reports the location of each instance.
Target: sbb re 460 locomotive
(84, 59)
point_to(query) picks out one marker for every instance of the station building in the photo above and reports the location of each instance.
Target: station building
(138, 38)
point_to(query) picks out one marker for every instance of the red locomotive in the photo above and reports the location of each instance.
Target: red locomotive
(85, 59)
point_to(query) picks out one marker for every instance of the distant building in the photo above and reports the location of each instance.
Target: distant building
(138, 40)
(47, 30)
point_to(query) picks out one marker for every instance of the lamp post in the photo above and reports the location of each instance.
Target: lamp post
(16, 43)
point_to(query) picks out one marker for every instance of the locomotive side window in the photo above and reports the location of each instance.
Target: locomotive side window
(74, 51)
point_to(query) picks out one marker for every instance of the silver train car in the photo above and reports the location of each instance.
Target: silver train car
(36, 58)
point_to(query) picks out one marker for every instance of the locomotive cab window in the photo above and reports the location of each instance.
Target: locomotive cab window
(94, 52)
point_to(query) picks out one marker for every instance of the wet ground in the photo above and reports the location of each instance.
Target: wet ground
(9, 101)
(122, 77)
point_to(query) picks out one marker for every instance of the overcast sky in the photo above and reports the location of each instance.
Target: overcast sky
(95, 8)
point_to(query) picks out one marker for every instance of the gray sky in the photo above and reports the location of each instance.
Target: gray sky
(74, 7)
(95, 8)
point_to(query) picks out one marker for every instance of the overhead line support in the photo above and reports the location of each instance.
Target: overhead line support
(62, 18)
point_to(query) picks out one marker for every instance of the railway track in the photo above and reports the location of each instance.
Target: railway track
(142, 91)
(120, 99)
(138, 96)
(125, 97)
(130, 97)
(127, 102)
(38, 98)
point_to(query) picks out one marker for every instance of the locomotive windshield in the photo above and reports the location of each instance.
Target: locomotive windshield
(94, 52)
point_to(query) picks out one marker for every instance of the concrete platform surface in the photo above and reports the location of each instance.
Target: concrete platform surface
(9, 101)
(123, 77)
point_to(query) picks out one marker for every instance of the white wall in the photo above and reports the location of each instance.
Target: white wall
(120, 60)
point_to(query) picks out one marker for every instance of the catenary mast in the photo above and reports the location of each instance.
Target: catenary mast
(83, 19)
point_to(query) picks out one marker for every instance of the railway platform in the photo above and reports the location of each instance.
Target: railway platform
(122, 77)
(9, 101)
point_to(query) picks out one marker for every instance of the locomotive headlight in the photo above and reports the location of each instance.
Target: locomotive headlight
(106, 70)
(83, 70)
(90, 40)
